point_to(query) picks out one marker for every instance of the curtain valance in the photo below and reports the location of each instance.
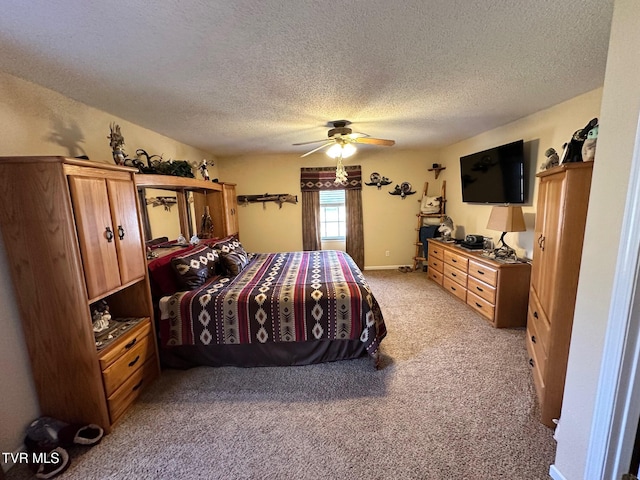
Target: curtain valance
(313, 179)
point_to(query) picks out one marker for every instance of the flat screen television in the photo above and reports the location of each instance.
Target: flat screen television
(496, 175)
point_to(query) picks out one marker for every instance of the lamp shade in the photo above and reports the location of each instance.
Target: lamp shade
(506, 219)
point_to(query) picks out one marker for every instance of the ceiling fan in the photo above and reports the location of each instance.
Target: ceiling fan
(341, 139)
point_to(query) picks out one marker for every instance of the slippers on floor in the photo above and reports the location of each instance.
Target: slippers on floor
(47, 433)
(57, 461)
(405, 269)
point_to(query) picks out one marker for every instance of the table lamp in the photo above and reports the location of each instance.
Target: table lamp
(506, 219)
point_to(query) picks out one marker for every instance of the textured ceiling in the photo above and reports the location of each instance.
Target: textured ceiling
(249, 76)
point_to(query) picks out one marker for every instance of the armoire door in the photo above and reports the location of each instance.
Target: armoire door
(547, 239)
(124, 214)
(96, 234)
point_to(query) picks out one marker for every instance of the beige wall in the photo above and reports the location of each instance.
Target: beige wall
(609, 189)
(389, 222)
(38, 121)
(548, 128)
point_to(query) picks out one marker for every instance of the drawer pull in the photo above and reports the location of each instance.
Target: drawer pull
(454, 260)
(453, 275)
(478, 305)
(134, 361)
(480, 272)
(130, 344)
(479, 289)
(531, 362)
(138, 385)
(533, 338)
(535, 314)
(453, 288)
(109, 234)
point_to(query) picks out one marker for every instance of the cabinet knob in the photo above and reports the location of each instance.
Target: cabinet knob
(109, 234)
(531, 362)
(533, 338)
(120, 232)
(535, 314)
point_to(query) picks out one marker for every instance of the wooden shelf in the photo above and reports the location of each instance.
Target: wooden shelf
(437, 170)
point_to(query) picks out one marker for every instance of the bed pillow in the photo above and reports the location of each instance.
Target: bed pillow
(162, 277)
(228, 244)
(193, 268)
(234, 262)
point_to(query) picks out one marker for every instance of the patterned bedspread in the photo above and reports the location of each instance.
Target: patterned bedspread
(278, 297)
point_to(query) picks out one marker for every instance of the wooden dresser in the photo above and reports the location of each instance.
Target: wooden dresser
(498, 291)
(563, 197)
(72, 235)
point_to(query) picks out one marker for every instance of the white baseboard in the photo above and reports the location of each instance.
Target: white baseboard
(555, 473)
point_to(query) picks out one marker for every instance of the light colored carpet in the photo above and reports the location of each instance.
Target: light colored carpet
(454, 400)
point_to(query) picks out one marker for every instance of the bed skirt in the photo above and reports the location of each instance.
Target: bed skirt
(261, 355)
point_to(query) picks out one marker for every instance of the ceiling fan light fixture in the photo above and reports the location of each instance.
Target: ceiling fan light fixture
(343, 150)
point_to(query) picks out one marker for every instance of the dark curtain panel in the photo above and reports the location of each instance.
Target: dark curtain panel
(311, 220)
(355, 233)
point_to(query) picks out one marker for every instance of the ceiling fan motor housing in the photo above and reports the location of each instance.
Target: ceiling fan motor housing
(339, 130)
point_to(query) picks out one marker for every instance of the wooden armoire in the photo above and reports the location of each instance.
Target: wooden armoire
(563, 197)
(72, 235)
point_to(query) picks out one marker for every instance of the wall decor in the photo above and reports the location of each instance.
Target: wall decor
(166, 202)
(281, 198)
(403, 190)
(378, 180)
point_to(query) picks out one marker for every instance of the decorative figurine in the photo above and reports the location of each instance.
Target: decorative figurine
(117, 142)
(552, 159)
(446, 228)
(203, 169)
(589, 146)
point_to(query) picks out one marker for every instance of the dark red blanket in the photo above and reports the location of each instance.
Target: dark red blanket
(278, 297)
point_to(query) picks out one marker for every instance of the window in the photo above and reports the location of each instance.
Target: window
(333, 224)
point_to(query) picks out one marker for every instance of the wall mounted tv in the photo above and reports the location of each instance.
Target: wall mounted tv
(496, 175)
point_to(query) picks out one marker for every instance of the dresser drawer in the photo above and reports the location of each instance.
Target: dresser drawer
(436, 251)
(481, 289)
(435, 275)
(127, 363)
(480, 305)
(456, 275)
(483, 272)
(131, 389)
(535, 370)
(123, 344)
(539, 355)
(455, 288)
(436, 264)
(458, 261)
(537, 317)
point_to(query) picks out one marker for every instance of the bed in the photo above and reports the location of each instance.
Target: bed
(270, 309)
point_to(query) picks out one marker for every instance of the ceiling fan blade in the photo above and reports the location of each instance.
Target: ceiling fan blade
(318, 148)
(375, 141)
(312, 141)
(358, 135)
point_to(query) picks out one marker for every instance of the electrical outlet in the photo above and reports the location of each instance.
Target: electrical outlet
(386, 253)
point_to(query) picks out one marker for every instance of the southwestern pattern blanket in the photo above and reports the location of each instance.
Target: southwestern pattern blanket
(278, 297)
